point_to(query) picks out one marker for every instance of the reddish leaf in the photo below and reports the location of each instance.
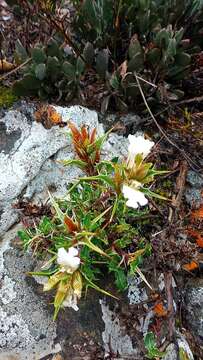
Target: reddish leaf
(198, 214)
(72, 227)
(190, 266)
(93, 135)
(199, 241)
(197, 235)
(75, 132)
(84, 133)
(159, 309)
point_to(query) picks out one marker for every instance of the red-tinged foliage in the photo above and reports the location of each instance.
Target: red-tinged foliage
(84, 133)
(75, 132)
(82, 140)
(159, 309)
(93, 135)
(193, 265)
(71, 226)
(198, 214)
(197, 236)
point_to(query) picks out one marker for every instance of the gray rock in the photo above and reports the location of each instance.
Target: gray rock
(179, 351)
(29, 167)
(193, 193)
(195, 179)
(193, 197)
(136, 291)
(27, 329)
(184, 348)
(26, 149)
(194, 307)
(171, 353)
(115, 338)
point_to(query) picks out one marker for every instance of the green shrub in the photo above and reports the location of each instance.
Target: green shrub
(93, 222)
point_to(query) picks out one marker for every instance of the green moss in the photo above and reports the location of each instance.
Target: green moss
(7, 98)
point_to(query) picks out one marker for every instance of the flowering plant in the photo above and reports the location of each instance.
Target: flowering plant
(90, 230)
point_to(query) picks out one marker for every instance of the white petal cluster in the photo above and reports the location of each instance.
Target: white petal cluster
(68, 260)
(138, 145)
(134, 196)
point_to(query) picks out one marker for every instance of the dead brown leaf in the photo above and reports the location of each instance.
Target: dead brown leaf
(48, 116)
(5, 66)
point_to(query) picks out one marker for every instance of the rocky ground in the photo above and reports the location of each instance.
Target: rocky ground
(101, 328)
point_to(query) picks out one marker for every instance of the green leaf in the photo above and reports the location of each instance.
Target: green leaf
(134, 48)
(38, 55)
(53, 49)
(136, 63)
(43, 272)
(56, 207)
(115, 81)
(40, 71)
(23, 235)
(20, 52)
(46, 226)
(69, 70)
(183, 59)
(103, 178)
(88, 53)
(150, 344)
(171, 50)
(152, 194)
(92, 246)
(162, 39)
(102, 61)
(178, 35)
(80, 67)
(30, 82)
(19, 89)
(154, 56)
(99, 217)
(81, 164)
(53, 67)
(121, 279)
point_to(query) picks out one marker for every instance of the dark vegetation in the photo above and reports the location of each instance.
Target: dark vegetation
(122, 56)
(100, 49)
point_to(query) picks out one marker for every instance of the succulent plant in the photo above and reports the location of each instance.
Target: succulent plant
(146, 35)
(51, 73)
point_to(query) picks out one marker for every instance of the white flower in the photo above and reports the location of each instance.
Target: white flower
(138, 145)
(68, 259)
(134, 196)
(71, 300)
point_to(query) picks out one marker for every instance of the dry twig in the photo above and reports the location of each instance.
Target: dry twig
(14, 70)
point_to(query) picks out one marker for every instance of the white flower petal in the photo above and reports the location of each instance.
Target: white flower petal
(131, 203)
(61, 256)
(138, 145)
(134, 197)
(73, 251)
(68, 260)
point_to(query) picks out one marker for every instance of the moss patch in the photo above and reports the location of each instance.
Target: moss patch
(7, 98)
